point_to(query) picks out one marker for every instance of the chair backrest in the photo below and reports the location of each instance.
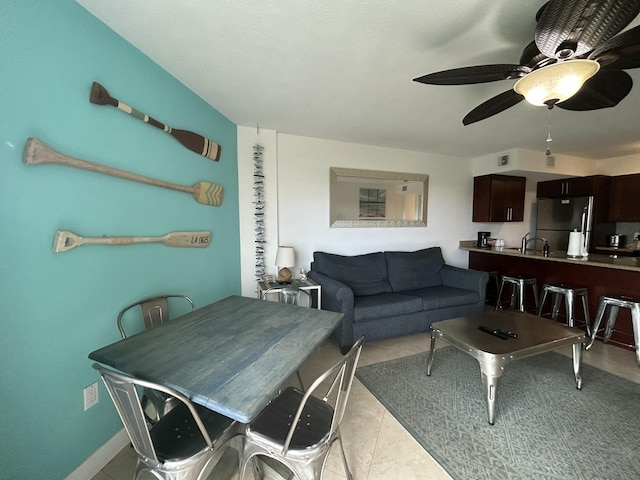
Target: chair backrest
(154, 311)
(340, 376)
(122, 390)
(294, 295)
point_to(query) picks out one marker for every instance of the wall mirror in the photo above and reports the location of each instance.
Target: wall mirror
(374, 198)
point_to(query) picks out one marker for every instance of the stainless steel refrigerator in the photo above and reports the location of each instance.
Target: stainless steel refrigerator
(557, 217)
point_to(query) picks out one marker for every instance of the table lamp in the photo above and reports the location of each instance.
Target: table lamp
(286, 257)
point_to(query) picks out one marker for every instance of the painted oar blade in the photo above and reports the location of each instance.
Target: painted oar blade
(208, 193)
(100, 96)
(187, 239)
(197, 143)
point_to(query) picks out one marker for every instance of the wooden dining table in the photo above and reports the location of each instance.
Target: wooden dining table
(231, 356)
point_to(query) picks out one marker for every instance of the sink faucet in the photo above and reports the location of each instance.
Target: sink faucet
(526, 240)
(523, 247)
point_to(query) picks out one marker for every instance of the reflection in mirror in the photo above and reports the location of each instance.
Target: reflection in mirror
(374, 198)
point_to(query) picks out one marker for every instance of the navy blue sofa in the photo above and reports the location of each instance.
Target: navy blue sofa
(389, 294)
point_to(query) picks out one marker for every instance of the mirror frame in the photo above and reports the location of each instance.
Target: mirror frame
(335, 172)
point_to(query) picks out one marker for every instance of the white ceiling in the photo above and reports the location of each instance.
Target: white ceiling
(343, 70)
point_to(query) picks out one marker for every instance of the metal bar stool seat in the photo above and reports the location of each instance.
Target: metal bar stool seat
(570, 294)
(614, 304)
(518, 285)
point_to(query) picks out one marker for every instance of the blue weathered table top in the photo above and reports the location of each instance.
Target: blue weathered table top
(231, 356)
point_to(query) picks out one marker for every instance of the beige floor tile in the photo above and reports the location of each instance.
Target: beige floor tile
(392, 348)
(398, 455)
(359, 429)
(103, 476)
(123, 465)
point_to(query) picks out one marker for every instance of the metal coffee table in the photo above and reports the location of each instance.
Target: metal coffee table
(534, 335)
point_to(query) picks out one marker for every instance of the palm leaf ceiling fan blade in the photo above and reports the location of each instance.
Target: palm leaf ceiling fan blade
(606, 89)
(570, 28)
(476, 74)
(621, 51)
(566, 31)
(494, 105)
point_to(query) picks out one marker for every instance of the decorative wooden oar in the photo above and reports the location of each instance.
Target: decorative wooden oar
(65, 240)
(194, 142)
(37, 153)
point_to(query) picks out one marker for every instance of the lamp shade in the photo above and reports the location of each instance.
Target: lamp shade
(286, 257)
(556, 82)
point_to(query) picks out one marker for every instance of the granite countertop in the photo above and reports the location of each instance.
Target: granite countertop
(593, 260)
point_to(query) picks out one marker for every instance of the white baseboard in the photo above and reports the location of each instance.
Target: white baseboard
(96, 462)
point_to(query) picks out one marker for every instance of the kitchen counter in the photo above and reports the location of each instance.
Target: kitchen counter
(618, 251)
(593, 260)
(599, 274)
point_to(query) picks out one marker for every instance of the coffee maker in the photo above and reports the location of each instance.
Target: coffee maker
(483, 240)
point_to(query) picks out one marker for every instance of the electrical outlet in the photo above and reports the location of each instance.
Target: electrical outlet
(90, 395)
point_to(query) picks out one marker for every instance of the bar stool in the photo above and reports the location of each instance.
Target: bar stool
(614, 304)
(518, 285)
(495, 277)
(570, 294)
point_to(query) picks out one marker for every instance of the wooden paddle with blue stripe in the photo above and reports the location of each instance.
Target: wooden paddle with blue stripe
(194, 142)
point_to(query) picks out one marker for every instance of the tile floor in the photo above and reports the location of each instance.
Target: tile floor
(377, 446)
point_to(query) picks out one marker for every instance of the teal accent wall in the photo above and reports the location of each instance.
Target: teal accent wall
(55, 308)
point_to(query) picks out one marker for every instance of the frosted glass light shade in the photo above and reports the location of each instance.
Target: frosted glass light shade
(556, 82)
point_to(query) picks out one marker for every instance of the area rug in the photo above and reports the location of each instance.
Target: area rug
(545, 429)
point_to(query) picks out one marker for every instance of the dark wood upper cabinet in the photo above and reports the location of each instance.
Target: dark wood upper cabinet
(625, 198)
(573, 187)
(598, 186)
(498, 198)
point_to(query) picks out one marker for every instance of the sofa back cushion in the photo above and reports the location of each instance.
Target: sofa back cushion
(413, 270)
(364, 274)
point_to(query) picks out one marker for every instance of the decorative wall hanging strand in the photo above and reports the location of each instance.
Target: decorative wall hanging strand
(65, 240)
(194, 142)
(37, 153)
(258, 215)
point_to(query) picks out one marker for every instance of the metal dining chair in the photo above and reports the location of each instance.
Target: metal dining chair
(294, 295)
(185, 444)
(291, 294)
(298, 429)
(154, 311)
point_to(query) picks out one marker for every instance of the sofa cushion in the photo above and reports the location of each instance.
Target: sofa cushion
(414, 270)
(384, 305)
(364, 274)
(442, 296)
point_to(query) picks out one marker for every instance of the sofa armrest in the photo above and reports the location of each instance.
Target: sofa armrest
(468, 279)
(337, 297)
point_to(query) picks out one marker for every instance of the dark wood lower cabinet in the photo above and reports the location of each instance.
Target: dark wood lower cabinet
(598, 280)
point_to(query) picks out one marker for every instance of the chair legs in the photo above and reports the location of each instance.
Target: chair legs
(570, 294)
(344, 458)
(518, 285)
(300, 468)
(614, 304)
(300, 380)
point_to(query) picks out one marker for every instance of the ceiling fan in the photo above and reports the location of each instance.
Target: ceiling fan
(575, 62)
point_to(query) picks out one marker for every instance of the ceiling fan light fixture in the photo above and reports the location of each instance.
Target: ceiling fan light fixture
(557, 82)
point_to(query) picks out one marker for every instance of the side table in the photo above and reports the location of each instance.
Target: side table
(265, 288)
